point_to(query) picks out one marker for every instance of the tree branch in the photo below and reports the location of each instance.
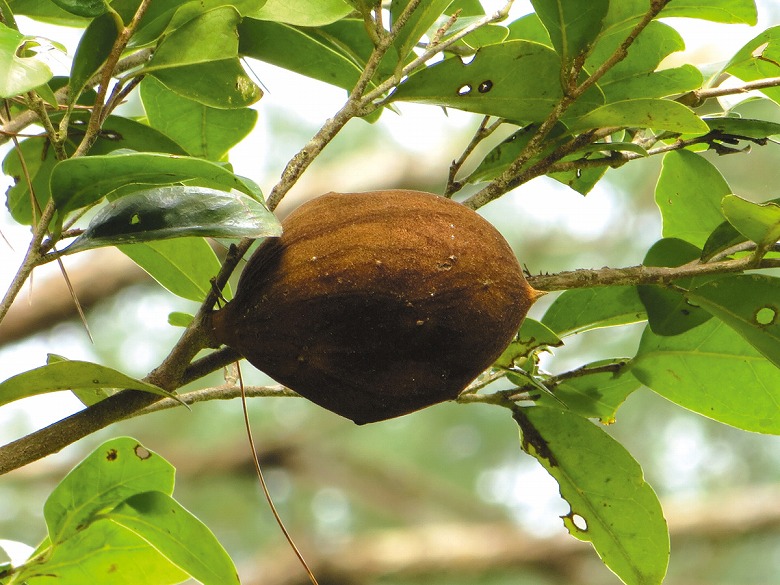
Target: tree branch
(515, 175)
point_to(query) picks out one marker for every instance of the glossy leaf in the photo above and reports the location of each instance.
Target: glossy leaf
(652, 113)
(115, 471)
(66, 375)
(78, 182)
(201, 130)
(759, 59)
(529, 28)
(612, 506)
(517, 80)
(199, 60)
(759, 222)
(93, 50)
(712, 370)
(104, 553)
(185, 266)
(178, 535)
(302, 12)
(20, 69)
(749, 304)
(626, 13)
(583, 309)
(86, 8)
(593, 394)
(688, 193)
(175, 212)
(573, 25)
(669, 312)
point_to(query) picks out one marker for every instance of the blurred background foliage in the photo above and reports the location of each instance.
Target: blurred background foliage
(443, 495)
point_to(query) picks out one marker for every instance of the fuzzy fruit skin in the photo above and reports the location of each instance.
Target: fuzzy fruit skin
(377, 304)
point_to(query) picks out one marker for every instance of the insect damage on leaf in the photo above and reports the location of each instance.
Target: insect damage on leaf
(532, 439)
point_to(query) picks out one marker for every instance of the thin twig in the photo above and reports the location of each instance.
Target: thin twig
(481, 134)
(697, 97)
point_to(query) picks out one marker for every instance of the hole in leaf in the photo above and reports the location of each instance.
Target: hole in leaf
(579, 522)
(466, 59)
(485, 86)
(766, 316)
(464, 89)
(142, 452)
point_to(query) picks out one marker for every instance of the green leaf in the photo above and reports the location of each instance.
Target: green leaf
(175, 212)
(712, 370)
(66, 375)
(39, 162)
(178, 535)
(573, 25)
(184, 266)
(612, 506)
(20, 69)
(517, 80)
(652, 113)
(93, 50)
(578, 310)
(301, 51)
(636, 75)
(759, 59)
(668, 310)
(743, 127)
(593, 394)
(179, 319)
(78, 182)
(113, 472)
(86, 8)
(532, 336)
(199, 60)
(529, 28)
(418, 23)
(627, 13)
(688, 193)
(302, 12)
(218, 84)
(119, 133)
(103, 553)
(749, 304)
(202, 131)
(759, 222)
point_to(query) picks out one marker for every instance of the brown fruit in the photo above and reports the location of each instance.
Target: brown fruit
(377, 304)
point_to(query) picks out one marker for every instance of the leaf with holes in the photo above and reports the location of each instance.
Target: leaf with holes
(713, 371)
(750, 304)
(20, 70)
(517, 80)
(612, 506)
(175, 212)
(178, 535)
(115, 471)
(759, 222)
